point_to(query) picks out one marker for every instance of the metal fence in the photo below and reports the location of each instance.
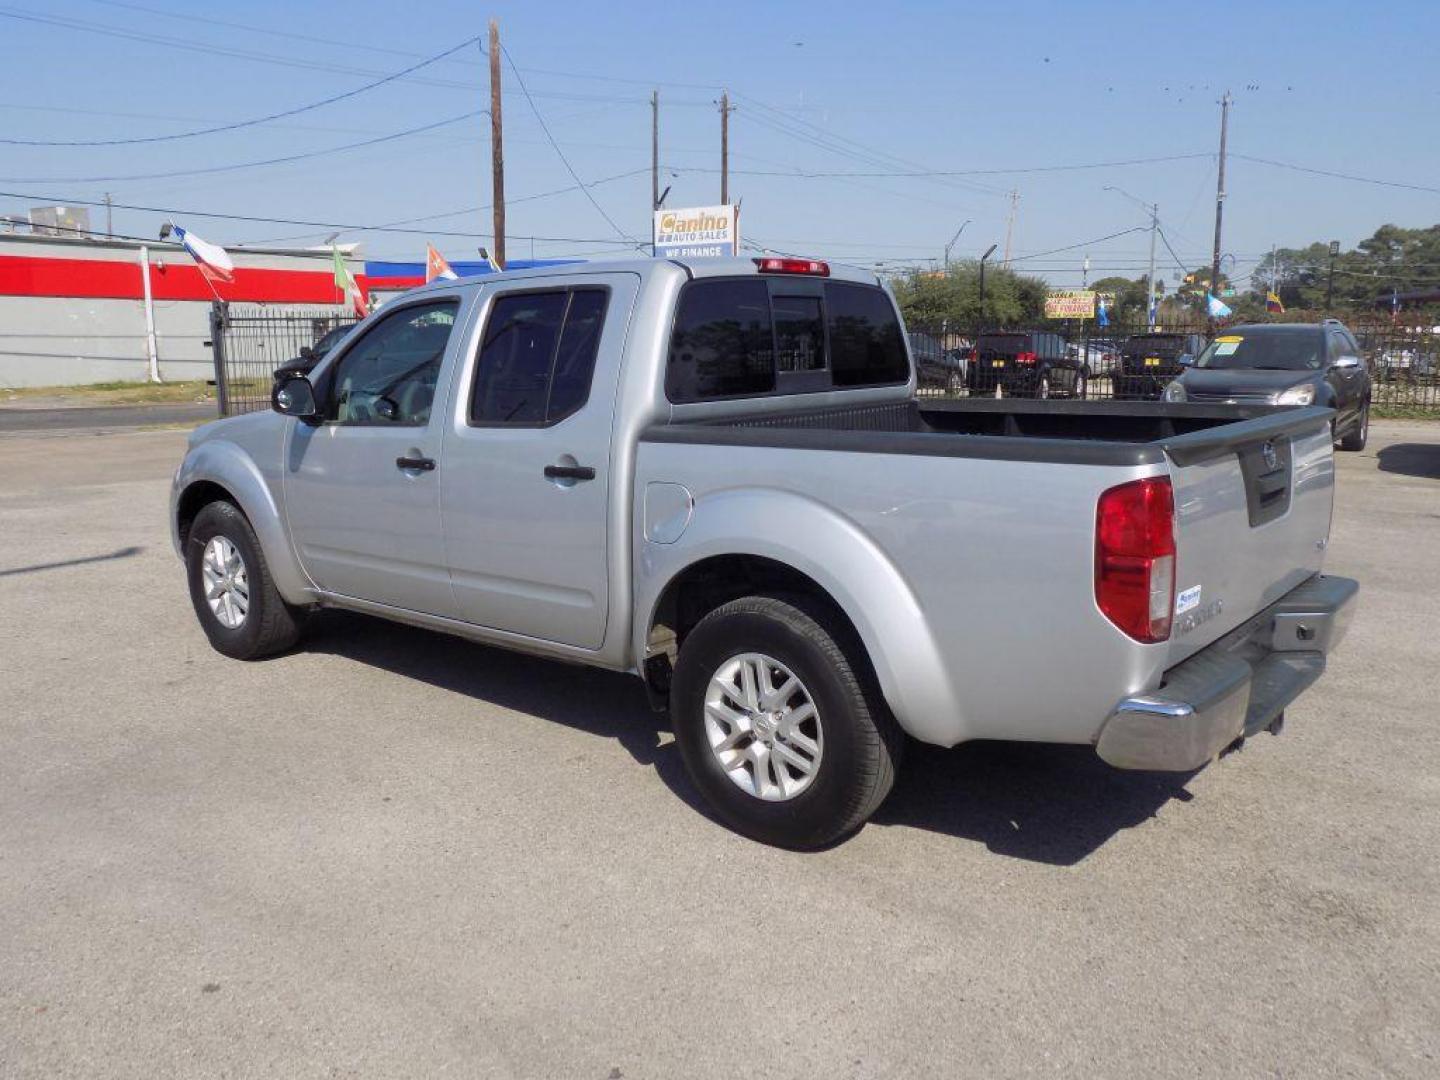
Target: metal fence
(1403, 357)
(250, 342)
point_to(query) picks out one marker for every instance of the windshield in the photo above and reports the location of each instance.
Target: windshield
(1303, 351)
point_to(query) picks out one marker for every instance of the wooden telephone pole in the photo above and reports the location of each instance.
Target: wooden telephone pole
(497, 148)
(725, 148)
(1219, 197)
(654, 150)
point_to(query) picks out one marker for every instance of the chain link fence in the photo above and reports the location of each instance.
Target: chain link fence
(250, 342)
(1127, 359)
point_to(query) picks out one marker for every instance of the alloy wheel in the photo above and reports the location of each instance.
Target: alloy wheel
(763, 727)
(227, 584)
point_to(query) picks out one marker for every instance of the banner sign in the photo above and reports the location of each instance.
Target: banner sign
(698, 232)
(1070, 304)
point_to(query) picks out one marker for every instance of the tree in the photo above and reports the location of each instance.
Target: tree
(932, 298)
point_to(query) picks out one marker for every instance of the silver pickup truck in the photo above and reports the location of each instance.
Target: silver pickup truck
(716, 476)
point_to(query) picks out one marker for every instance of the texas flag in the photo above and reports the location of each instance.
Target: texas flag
(213, 260)
(436, 266)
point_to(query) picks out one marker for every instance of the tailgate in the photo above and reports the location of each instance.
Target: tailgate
(1252, 519)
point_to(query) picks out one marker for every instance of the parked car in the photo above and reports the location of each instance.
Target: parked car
(1149, 361)
(1026, 364)
(1098, 354)
(945, 371)
(310, 355)
(716, 476)
(1285, 364)
(937, 367)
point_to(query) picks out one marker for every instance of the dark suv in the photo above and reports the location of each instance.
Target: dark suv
(1149, 361)
(1285, 364)
(1029, 364)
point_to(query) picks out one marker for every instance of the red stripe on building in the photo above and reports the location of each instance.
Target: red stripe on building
(24, 275)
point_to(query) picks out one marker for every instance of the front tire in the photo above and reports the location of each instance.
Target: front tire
(780, 724)
(235, 599)
(1360, 433)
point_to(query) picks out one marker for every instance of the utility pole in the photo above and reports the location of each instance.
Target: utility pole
(952, 242)
(654, 150)
(983, 259)
(1150, 297)
(1010, 224)
(1085, 273)
(109, 223)
(725, 148)
(1220, 195)
(497, 148)
(1330, 284)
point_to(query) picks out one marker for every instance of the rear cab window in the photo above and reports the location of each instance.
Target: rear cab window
(747, 337)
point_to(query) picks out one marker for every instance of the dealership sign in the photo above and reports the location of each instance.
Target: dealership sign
(1070, 304)
(697, 232)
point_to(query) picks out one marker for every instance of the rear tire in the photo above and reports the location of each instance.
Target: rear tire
(1360, 433)
(235, 599)
(847, 745)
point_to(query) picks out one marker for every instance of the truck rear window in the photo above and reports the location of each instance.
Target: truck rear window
(741, 337)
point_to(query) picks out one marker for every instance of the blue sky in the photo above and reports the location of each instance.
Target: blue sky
(833, 88)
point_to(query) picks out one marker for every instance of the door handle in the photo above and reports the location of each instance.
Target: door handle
(419, 464)
(569, 472)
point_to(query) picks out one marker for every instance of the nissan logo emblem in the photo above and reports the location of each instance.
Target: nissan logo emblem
(1272, 459)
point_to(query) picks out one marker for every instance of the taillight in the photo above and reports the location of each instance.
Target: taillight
(813, 267)
(1025, 358)
(1135, 557)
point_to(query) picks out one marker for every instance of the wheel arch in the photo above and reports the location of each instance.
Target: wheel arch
(219, 470)
(734, 547)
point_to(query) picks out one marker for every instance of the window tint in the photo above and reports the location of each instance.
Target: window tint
(799, 333)
(865, 342)
(388, 376)
(723, 345)
(537, 356)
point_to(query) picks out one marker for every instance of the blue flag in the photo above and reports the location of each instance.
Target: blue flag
(1217, 308)
(1101, 315)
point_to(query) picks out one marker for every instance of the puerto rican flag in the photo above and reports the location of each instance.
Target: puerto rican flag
(213, 260)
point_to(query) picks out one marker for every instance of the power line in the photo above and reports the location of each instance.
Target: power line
(1083, 243)
(560, 153)
(251, 122)
(343, 226)
(1338, 175)
(211, 169)
(810, 175)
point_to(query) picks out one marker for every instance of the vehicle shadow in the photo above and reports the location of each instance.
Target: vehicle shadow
(1032, 801)
(1411, 459)
(1041, 803)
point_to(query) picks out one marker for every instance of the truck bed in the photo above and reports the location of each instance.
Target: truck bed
(977, 517)
(1122, 433)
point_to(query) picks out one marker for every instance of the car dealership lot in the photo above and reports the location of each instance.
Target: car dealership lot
(393, 853)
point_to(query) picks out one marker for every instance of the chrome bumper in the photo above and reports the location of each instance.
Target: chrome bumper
(1234, 687)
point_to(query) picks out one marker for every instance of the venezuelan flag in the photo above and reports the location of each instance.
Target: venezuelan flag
(1273, 304)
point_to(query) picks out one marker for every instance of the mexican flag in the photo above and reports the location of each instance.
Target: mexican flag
(346, 283)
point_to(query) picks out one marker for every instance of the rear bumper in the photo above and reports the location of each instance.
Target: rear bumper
(1235, 687)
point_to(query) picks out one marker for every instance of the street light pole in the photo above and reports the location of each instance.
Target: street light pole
(951, 244)
(988, 252)
(1154, 209)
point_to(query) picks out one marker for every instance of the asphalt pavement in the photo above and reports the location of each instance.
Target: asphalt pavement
(394, 854)
(102, 418)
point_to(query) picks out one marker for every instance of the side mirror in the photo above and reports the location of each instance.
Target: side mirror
(307, 352)
(1345, 362)
(294, 396)
(1186, 360)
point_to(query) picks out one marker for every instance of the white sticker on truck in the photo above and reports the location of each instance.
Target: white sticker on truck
(1186, 600)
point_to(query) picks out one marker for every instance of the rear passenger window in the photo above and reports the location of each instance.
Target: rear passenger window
(724, 341)
(537, 356)
(865, 342)
(740, 337)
